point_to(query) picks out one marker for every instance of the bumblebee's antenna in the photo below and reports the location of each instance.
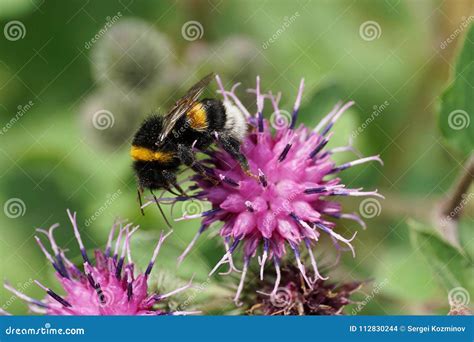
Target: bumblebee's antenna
(140, 201)
(161, 210)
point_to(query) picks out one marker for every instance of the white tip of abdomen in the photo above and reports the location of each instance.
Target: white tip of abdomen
(236, 123)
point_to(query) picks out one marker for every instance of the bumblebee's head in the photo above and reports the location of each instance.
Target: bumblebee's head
(153, 177)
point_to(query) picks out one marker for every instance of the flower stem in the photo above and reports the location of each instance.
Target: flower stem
(459, 190)
(450, 210)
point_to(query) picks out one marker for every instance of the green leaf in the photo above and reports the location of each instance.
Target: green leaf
(457, 104)
(451, 266)
(404, 276)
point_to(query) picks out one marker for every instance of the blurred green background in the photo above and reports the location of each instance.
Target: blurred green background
(74, 59)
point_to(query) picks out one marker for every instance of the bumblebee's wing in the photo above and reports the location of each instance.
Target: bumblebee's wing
(183, 105)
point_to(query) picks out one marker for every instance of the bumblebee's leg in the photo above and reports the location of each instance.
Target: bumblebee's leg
(170, 182)
(139, 195)
(232, 146)
(161, 210)
(171, 191)
(188, 158)
(180, 190)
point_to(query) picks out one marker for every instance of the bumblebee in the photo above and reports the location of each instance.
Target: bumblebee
(163, 143)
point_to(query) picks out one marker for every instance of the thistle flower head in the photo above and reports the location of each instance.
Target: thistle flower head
(294, 297)
(107, 116)
(291, 202)
(131, 55)
(110, 286)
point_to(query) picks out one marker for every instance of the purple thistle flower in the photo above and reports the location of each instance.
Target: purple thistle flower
(109, 287)
(294, 297)
(290, 203)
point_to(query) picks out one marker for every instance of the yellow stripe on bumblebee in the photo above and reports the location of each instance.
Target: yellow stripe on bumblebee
(139, 153)
(197, 117)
